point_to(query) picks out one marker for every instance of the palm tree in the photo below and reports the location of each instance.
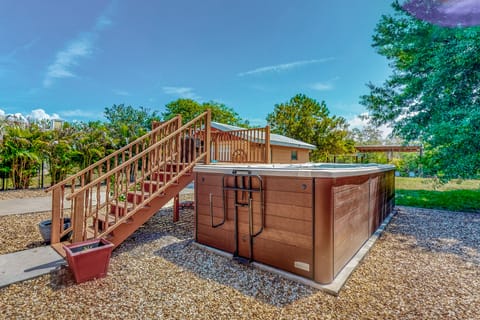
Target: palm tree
(20, 153)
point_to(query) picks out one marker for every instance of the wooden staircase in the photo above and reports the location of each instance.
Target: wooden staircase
(115, 196)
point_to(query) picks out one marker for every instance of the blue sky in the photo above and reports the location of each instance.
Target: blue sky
(74, 58)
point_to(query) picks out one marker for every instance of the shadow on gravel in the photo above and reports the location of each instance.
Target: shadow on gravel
(176, 244)
(440, 231)
(266, 287)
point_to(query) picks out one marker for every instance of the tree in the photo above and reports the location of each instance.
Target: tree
(58, 148)
(92, 142)
(368, 135)
(433, 94)
(189, 109)
(127, 123)
(19, 153)
(305, 119)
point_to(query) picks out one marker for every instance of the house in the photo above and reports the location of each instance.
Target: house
(235, 144)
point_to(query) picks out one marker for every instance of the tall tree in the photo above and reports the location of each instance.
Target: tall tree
(127, 123)
(368, 135)
(433, 94)
(306, 119)
(190, 109)
(58, 148)
(19, 153)
(92, 142)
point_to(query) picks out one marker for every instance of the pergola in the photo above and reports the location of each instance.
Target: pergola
(389, 149)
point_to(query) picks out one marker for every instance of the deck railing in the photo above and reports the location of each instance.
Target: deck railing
(242, 146)
(143, 170)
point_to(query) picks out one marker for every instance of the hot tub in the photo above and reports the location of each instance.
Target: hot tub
(307, 219)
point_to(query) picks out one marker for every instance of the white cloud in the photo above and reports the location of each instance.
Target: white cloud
(182, 92)
(103, 22)
(322, 86)
(76, 113)
(40, 114)
(283, 67)
(2, 114)
(80, 47)
(361, 120)
(66, 59)
(16, 117)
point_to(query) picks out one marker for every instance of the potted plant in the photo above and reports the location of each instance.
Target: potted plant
(89, 259)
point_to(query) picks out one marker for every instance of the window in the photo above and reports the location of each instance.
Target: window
(293, 155)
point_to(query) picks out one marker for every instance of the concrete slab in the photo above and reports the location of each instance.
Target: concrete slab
(43, 204)
(28, 264)
(28, 205)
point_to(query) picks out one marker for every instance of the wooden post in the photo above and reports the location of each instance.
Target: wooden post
(217, 148)
(56, 208)
(78, 217)
(268, 152)
(176, 208)
(179, 144)
(208, 140)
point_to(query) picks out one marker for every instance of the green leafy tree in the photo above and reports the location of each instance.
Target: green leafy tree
(367, 135)
(58, 149)
(433, 94)
(19, 153)
(308, 120)
(127, 123)
(189, 109)
(92, 142)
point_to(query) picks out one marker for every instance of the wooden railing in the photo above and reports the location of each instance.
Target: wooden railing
(103, 191)
(242, 146)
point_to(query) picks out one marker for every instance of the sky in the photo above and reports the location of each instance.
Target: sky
(71, 59)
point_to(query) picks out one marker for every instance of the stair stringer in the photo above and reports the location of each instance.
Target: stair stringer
(123, 231)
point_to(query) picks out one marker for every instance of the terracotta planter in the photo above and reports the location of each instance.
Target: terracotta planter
(89, 259)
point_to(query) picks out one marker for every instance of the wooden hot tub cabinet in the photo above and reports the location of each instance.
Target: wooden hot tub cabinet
(309, 220)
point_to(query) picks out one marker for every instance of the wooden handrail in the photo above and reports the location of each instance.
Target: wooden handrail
(141, 171)
(244, 145)
(152, 196)
(133, 159)
(110, 156)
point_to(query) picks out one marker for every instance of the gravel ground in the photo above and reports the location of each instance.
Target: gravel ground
(425, 266)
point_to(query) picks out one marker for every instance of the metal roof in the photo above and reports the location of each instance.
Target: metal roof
(275, 139)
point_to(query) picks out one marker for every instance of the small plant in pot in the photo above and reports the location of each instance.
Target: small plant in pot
(89, 259)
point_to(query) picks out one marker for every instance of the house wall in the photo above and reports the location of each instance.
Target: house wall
(284, 154)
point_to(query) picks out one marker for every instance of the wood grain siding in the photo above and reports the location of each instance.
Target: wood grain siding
(283, 155)
(323, 225)
(313, 226)
(351, 215)
(287, 236)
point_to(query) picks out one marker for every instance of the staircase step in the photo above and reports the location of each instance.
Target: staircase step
(102, 223)
(137, 196)
(162, 176)
(155, 185)
(123, 208)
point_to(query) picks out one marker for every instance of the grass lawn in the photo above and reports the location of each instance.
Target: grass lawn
(454, 196)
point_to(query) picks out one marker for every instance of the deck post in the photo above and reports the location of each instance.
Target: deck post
(176, 208)
(56, 208)
(217, 151)
(268, 153)
(78, 217)
(208, 133)
(179, 144)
